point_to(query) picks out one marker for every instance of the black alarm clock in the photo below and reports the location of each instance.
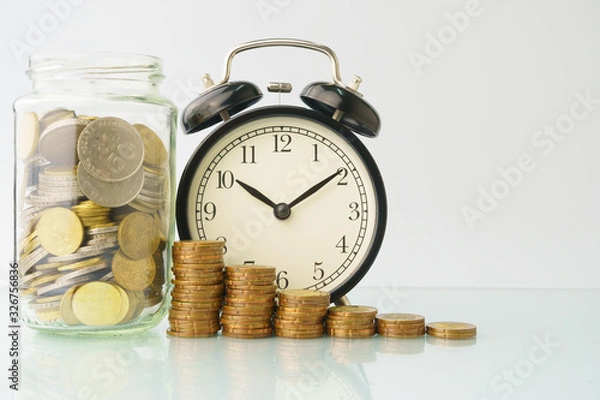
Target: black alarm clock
(287, 186)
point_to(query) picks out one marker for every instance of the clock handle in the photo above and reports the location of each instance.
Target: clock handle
(342, 301)
(282, 42)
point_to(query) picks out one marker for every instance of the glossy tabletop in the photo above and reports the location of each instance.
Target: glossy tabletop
(531, 344)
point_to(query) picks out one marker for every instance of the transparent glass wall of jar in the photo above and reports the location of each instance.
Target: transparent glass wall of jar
(94, 184)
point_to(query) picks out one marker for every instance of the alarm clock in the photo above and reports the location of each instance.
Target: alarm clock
(287, 186)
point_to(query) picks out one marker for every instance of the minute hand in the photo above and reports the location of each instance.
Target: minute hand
(314, 189)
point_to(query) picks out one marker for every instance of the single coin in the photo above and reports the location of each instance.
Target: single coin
(155, 153)
(451, 330)
(58, 142)
(111, 149)
(138, 235)
(125, 306)
(136, 305)
(133, 274)
(110, 194)
(66, 310)
(50, 117)
(28, 134)
(314, 335)
(400, 318)
(189, 335)
(60, 231)
(97, 303)
(83, 271)
(353, 310)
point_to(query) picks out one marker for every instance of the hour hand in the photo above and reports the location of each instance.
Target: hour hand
(256, 193)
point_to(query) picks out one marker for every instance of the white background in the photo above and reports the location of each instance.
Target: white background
(472, 103)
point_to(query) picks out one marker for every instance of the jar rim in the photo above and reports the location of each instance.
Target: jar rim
(90, 64)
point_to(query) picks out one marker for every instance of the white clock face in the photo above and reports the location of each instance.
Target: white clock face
(252, 185)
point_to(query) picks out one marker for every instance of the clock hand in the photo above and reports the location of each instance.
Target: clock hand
(314, 189)
(257, 194)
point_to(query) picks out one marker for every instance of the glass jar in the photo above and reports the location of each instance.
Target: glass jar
(94, 184)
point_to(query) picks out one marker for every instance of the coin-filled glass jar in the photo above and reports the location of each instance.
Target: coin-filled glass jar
(94, 184)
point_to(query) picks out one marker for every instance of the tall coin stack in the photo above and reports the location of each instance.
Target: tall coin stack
(249, 301)
(300, 314)
(198, 288)
(400, 325)
(351, 321)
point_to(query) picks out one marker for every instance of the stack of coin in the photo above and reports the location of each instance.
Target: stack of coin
(249, 301)
(300, 314)
(451, 330)
(400, 325)
(69, 234)
(198, 288)
(59, 182)
(92, 214)
(351, 321)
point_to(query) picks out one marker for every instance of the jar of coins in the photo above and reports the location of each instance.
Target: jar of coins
(94, 169)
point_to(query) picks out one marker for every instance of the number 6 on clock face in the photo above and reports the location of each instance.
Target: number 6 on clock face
(287, 187)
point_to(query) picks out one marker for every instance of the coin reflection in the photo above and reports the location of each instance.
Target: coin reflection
(57, 367)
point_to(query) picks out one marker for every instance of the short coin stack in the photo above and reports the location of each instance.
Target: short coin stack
(351, 321)
(451, 330)
(198, 288)
(300, 314)
(400, 325)
(249, 301)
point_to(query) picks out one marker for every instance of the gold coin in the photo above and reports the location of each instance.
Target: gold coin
(350, 333)
(304, 294)
(247, 310)
(353, 310)
(133, 274)
(80, 264)
(60, 231)
(189, 334)
(451, 330)
(401, 333)
(311, 335)
(400, 318)
(97, 304)
(155, 153)
(125, 305)
(28, 134)
(66, 310)
(351, 325)
(137, 302)
(250, 269)
(138, 235)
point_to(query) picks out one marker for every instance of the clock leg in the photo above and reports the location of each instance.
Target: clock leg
(342, 301)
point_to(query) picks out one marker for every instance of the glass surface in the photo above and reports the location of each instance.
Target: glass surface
(531, 344)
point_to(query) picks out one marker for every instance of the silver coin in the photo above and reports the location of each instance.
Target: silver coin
(34, 305)
(60, 287)
(109, 194)
(80, 254)
(103, 229)
(111, 149)
(29, 277)
(83, 271)
(31, 259)
(58, 142)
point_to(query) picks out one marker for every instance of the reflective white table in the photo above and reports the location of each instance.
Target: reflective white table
(531, 344)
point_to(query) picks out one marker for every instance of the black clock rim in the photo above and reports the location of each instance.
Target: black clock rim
(187, 174)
